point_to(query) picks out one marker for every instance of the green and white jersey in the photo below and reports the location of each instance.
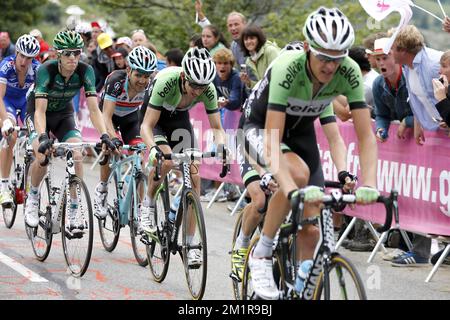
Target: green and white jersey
(287, 87)
(166, 92)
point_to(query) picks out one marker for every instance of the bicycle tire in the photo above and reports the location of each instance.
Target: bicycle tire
(109, 227)
(339, 263)
(41, 237)
(141, 259)
(191, 198)
(9, 212)
(158, 252)
(78, 264)
(26, 182)
(246, 291)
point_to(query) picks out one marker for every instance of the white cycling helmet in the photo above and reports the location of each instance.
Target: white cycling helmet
(198, 66)
(142, 59)
(329, 29)
(28, 46)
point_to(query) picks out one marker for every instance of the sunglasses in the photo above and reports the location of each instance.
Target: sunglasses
(137, 30)
(198, 86)
(324, 57)
(68, 53)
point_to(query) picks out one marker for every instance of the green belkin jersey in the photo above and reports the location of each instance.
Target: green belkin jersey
(287, 87)
(166, 92)
(51, 85)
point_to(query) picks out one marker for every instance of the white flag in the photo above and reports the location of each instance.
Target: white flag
(380, 9)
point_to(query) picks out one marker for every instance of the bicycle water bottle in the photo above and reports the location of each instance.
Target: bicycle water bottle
(302, 273)
(174, 208)
(56, 205)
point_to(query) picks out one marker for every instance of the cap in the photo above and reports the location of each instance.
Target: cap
(36, 33)
(120, 52)
(95, 24)
(379, 45)
(125, 40)
(104, 40)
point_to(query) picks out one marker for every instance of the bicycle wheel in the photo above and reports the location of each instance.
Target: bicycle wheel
(41, 236)
(236, 282)
(9, 210)
(109, 227)
(139, 248)
(343, 282)
(194, 248)
(158, 253)
(247, 288)
(26, 183)
(77, 242)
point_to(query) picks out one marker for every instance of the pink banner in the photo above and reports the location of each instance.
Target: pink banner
(204, 136)
(421, 174)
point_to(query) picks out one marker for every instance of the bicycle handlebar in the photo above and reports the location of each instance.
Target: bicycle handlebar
(58, 149)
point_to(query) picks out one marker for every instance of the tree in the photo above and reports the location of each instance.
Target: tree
(19, 16)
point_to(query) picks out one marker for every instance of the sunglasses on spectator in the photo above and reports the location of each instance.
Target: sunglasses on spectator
(196, 86)
(137, 30)
(324, 57)
(68, 53)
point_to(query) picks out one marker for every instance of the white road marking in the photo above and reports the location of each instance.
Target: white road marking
(27, 273)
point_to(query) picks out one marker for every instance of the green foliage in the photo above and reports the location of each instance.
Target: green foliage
(20, 16)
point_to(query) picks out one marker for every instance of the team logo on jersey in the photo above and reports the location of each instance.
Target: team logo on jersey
(297, 107)
(209, 94)
(350, 75)
(292, 71)
(169, 85)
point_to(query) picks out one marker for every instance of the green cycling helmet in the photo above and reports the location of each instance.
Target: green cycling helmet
(68, 40)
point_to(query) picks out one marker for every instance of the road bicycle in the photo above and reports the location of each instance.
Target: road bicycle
(189, 218)
(22, 157)
(60, 204)
(331, 276)
(127, 185)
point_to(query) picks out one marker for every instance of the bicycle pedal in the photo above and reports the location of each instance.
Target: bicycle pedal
(234, 277)
(144, 239)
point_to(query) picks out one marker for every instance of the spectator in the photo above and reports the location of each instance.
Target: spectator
(102, 61)
(50, 54)
(369, 75)
(422, 65)
(44, 46)
(196, 41)
(368, 43)
(124, 42)
(441, 89)
(390, 94)
(174, 57)
(260, 52)
(236, 23)
(213, 39)
(7, 48)
(96, 30)
(446, 24)
(119, 58)
(139, 38)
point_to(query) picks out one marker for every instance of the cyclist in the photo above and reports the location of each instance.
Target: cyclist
(17, 75)
(174, 91)
(121, 100)
(296, 89)
(50, 109)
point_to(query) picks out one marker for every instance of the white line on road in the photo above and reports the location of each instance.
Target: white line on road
(27, 273)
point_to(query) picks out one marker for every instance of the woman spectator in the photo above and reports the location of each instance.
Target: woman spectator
(440, 87)
(213, 39)
(260, 51)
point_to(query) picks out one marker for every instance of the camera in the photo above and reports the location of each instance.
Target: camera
(441, 80)
(244, 68)
(221, 99)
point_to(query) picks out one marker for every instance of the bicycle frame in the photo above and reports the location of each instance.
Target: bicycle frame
(123, 201)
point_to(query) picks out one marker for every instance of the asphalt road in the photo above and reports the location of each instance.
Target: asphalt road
(116, 275)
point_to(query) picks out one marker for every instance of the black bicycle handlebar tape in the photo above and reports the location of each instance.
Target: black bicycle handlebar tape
(157, 175)
(266, 204)
(45, 162)
(225, 166)
(333, 184)
(388, 205)
(104, 160)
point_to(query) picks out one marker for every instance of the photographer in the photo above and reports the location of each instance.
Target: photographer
(440, 87)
